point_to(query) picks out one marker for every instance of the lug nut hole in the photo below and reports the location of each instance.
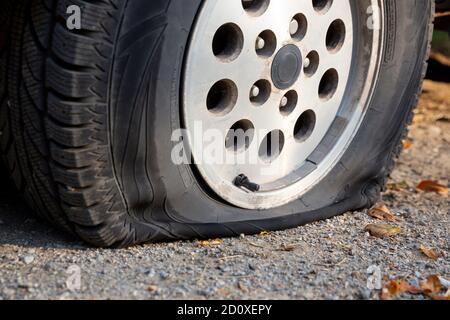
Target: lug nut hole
(288, 103)
(266, 44)
(311, 63)
(260, 92)
(298, 27)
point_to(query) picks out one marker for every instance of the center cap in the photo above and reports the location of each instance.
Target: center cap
(286, 66)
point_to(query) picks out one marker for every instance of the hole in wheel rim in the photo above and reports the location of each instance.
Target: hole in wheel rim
(272, 146)
(304, 126)
(266, 44)
(311, 63)
(255, 7)
(222, 97)
(298, 27)
(240, 136)
(264, 89)
(335, 36)
(228, 42)
(322, 6)
(288, 103)
(328, 84)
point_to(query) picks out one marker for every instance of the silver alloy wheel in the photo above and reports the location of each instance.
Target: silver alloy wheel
(279, 71)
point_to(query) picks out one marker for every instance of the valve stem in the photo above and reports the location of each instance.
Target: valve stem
(242, 181)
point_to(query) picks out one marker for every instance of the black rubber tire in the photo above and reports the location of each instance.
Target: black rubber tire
(87, 136)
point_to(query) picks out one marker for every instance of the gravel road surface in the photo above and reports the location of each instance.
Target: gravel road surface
(324, 260)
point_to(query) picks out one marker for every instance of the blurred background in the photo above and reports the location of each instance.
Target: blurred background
(440, 55)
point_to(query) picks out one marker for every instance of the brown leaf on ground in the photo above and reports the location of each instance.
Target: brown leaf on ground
(264, 233)
(382, 212)
(433, 186)
(431, 286)
(152, 288)
(446, 296)
(443, 119)
(430, 253)
(382, 230)
(406, 144)
(398, 186)
(396, 287)
(407, 287)
(210, 243)
(391, 290)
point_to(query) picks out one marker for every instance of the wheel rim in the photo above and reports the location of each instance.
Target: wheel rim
(267, 82)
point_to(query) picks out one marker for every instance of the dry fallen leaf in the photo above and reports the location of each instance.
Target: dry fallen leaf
(432, 285)
(446, 296)
(382, 230)
(443, 119)
(430, 253)
(433, 186)
(382, 212)
(406, 144)
(405, 286)
(396, 287)
(152, 288)
(264, 233)
(398, 186)
(210, 243)
(391, 289)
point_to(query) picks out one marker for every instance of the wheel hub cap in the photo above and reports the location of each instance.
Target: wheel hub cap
(286, 66)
